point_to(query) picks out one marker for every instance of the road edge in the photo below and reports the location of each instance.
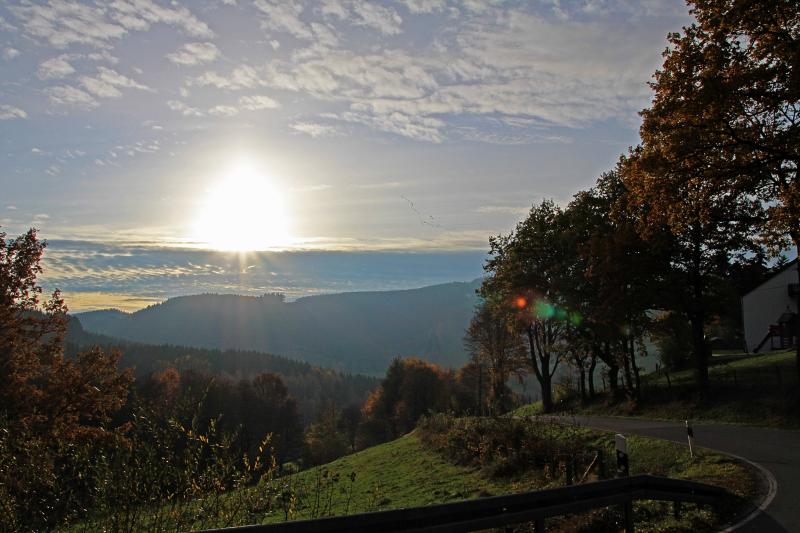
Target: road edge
(772, 483)
(768, 476)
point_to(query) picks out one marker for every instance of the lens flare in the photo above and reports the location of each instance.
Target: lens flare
(543, 310)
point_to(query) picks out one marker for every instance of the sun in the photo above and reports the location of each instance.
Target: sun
(243, 212)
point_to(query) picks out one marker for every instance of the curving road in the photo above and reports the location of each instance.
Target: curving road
(775, 451)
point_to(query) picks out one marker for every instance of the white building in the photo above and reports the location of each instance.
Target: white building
(769, 312)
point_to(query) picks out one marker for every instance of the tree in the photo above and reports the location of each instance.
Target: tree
(323, 440)
(494, 343)
(470, 385)
(55, 412)
(349, 420)
(41, 389)
(720, 142)
(620, 277)
(529, 270)
(411, 388)
(755, 119)
(273, 410)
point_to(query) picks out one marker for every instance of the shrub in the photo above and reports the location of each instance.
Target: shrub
(509, 446)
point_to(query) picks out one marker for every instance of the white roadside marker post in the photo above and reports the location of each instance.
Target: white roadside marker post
(690, 437)
(621, 445)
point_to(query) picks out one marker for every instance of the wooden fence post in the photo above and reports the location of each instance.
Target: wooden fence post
(628, 512)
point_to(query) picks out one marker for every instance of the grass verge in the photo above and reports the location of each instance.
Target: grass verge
(750, 389)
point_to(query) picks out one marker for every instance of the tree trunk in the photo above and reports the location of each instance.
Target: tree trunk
(697, 315)
(797, 311)
(700, 351)
(613, 380)
(592, 365)
(636, 376)
(479, 409)
(547, 395)
(604, 352)
(630, 388)
(542, 374)
(583, 384)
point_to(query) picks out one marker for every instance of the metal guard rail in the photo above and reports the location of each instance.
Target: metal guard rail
(483, 513)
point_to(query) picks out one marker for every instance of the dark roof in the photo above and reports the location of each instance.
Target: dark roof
(787, 266)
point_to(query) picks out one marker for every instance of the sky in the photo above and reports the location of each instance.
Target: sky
(139, 133)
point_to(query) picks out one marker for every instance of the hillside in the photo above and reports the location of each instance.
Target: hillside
(410, 472)
(353, 332)
(310, 385)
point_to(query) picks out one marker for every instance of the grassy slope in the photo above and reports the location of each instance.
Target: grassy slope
(400, 473)
(756, 389)
(405, 473)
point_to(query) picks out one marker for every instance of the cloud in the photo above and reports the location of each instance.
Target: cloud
(491, 136)
(424, 6)
(96, 275)
(313, 129)
(482, 71)
(184, 109)
(258, 102)
(139, 14)
(312, 188)
(241, 77)
(55, 68)
(10, 53)
(62, 23)
(69, 96)
(503, 209)
(103, 55)
(194, 54)
(285, 17)
(380, 185)
(9, 112)
(4, 25)
(107, 82)
(415, 127)
(384, 19)
(364, 13)
(509, 64)
(223, 111)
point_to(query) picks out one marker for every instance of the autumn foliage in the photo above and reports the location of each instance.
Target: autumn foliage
(48, 403)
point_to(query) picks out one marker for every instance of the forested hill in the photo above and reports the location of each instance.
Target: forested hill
(354, 332)
(310, 385)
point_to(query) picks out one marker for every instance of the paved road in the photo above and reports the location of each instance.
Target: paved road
(776, 450)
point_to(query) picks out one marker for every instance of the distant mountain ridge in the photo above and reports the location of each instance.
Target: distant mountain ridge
(353, 332)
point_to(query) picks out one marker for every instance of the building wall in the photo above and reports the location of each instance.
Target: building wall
(762, 306)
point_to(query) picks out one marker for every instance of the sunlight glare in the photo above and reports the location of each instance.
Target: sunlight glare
(243, 212)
